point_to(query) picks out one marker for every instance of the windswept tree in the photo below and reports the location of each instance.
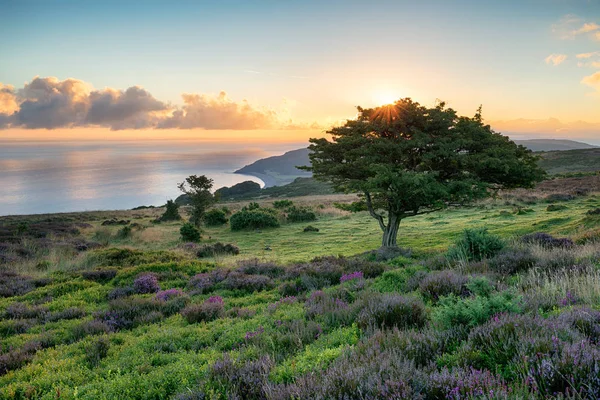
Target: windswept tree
(197, 188)
(405, 159)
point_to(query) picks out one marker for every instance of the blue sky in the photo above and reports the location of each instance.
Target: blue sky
(313, 61)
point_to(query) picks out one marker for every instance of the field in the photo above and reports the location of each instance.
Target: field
(92, 311)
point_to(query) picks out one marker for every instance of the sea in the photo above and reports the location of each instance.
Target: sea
(38, 177)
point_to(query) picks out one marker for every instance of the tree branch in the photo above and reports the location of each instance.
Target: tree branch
(378, 217)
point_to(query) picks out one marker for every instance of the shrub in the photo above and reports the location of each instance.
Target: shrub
(357, 275)
(69, 313)
(295, 214)
(512, 261)
(253, 219)
(23, 311)
(99, 275)
(120, 292)
(215, 217)
(207, 311)
(171, 212)
(584, 320)
(595, 211)
(310, 228)
(217, 249)
(475, 245)
(254, 266)
(453, 311)
(282, 204)
(392, 310)
(189, 232)
(124, 232)
(165, 295)
(97, 351)
(248, 283)
(201, 283)
(331, 310)
(443, 283)
(556, 207)
(15, 359)
(241, 380)
(547, 241)
(559, 197)
(146, 283)
(88, 328)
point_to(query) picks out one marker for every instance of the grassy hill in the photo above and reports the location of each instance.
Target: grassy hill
(560, 162)
(80, 315)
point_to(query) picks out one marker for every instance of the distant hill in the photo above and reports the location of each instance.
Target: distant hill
(279, 170)
(553, 145)
(560, 162)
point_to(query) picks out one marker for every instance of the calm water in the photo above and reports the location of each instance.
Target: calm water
(44, 177)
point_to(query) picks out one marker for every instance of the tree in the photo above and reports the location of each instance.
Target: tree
(405, 159)
(171, 212)
(197, 188)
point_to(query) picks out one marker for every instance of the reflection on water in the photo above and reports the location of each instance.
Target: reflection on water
(47, 177)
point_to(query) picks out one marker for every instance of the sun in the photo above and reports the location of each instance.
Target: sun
(383, 97)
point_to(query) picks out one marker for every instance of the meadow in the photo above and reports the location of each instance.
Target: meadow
(499, 300)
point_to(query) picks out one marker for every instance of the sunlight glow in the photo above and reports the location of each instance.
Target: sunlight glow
(383, 97)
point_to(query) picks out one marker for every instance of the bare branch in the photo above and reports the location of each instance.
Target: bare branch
(378, 217)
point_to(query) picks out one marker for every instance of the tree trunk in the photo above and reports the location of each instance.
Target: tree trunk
(390, 233)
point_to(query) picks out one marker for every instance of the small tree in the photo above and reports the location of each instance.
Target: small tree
(171, 212)
(405, 160)
(198, 190)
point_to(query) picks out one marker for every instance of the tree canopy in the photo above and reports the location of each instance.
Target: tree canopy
(197, 188)
(406, 159)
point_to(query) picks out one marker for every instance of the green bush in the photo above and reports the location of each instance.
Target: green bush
(282, 204)
(171, 212)
(189, 233)
(215, 217)
(295, 214)
(475, 245)
(253, 219)
(124, 232)
(96, 351)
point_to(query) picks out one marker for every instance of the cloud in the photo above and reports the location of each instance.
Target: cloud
(547, 128)
(49, 103)
(556, 59)
(219, 112)
(571, 26)
(588, 55)
(592, 81)
(587, 28)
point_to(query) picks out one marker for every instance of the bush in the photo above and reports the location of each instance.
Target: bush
(254, 266)
(559, 197)
(310, 228)
(124, 232)
(282, 204)
(189, 233)
(595, 211)
(391, 310)
(253, 219)
(217, 249)
(210, 310)
(547, 241)
(97, 351)
(331, 310)
(146, 283)
(512, 261)
(201, 283)
(443, 283)
(215, 217)
(165, 295)
(295, 214)
(556, 207)
(453, 311)
(171, 212)
(476, 245)
(100, 275)
(248, 283)
(120, 292)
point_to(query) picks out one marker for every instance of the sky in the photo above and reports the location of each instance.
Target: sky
(288, 70)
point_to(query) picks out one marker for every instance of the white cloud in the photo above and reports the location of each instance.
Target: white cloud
(556, 59)
(592, 81)
(588, 55)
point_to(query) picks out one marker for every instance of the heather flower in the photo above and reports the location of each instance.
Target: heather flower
(568, 300)
(201, 283)
(146, 283)
(252, 334)
(354, 275)
(215, 300)
(285, 300)
(168, 294)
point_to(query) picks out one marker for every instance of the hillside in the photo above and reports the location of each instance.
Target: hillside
(565, 156)
(278, 170)
(553, 144)
(559, 162)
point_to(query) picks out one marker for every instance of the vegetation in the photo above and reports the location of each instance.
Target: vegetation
(189, 233)
(197, 189)
(171, 212)
(407, 160)
(512, 310)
